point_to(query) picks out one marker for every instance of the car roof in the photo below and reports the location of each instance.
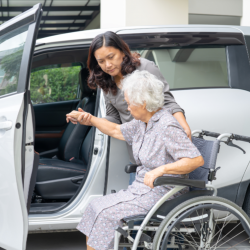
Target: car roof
(86, 36)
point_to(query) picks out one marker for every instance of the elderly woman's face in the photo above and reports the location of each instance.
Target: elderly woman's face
(138, 112)
(109, 59)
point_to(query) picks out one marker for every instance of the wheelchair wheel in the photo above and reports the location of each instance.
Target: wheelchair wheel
(204, 223)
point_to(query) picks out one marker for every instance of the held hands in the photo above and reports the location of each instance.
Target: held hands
(79, 116)
(152, 175)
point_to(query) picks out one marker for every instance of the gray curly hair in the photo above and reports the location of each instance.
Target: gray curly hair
(142, 86)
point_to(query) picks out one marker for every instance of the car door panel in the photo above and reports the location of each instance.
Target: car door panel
(17, 40)
(116, 158)
(51, 123)
(12, 215)
(214, 110)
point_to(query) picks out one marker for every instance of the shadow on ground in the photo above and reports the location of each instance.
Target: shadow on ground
(56, 241)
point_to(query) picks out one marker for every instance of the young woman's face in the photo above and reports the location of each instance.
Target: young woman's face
(110, 60)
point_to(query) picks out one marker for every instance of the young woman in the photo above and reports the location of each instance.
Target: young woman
(109, 61)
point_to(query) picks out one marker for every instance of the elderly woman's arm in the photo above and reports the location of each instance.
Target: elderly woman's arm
(182, 166)
(106, 127)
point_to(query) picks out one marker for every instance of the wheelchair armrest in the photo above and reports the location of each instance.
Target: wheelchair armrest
(167, 180)
(131, 168)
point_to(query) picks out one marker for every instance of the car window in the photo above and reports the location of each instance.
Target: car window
(11, 51)
(185, 68)
(54, 83)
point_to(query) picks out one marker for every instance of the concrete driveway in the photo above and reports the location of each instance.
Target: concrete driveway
(76, 241)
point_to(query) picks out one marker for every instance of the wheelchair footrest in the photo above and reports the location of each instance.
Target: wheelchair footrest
(145, 237)
(124, 233)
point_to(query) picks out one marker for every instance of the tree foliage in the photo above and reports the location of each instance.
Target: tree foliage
(54, 84)
(10, 64)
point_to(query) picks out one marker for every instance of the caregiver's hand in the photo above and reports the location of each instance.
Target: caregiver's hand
(152, 175)
(85, 118)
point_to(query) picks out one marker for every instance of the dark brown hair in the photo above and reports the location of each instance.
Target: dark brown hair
(97, 77)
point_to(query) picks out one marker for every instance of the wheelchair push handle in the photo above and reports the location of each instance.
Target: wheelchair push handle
(241, 138)
(224, 135)
(208, 133)
(228, 136)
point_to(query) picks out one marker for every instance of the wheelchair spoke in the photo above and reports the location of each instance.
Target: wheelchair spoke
(183, 244)
(195, 228)
(238, 243)
(228, 240)
(228, 233)
(200, 222)
(221, 230)
(190, 234)
(195, 243)
(204, 223)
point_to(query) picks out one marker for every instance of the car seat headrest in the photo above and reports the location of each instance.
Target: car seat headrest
(83, 76)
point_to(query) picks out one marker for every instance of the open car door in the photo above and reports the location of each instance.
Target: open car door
(18, 162)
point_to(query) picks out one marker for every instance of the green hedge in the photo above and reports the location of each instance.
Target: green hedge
(54, 84)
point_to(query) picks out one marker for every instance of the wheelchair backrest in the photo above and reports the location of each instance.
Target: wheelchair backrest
(209, 151)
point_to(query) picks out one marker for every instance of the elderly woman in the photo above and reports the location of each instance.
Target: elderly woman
(160, 147)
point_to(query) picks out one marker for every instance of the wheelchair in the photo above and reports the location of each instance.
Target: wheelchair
(198, 219)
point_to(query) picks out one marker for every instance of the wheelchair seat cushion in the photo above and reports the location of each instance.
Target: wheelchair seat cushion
(169, 205)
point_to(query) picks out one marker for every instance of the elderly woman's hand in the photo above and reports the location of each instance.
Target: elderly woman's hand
(70, 119)
(152, 175)
(79, 116)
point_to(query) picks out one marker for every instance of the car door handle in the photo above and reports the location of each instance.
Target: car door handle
(6, 125)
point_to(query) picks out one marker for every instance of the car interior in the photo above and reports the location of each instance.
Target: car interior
(58, 85)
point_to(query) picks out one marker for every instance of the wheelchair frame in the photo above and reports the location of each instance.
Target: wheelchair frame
(178, 186)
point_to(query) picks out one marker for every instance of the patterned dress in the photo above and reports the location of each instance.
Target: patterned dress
(162, 141)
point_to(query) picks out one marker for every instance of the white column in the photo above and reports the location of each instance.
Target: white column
(245, 20)
(218, 12)
(123, 13)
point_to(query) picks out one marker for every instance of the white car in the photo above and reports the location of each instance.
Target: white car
(207, 68)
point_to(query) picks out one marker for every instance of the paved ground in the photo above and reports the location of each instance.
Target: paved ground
(76, 241)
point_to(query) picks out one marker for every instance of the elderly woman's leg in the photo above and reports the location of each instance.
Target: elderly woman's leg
(88, 247)
(104, 214)
(101, 234)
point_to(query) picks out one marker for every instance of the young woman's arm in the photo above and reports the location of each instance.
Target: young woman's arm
(181, 119)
